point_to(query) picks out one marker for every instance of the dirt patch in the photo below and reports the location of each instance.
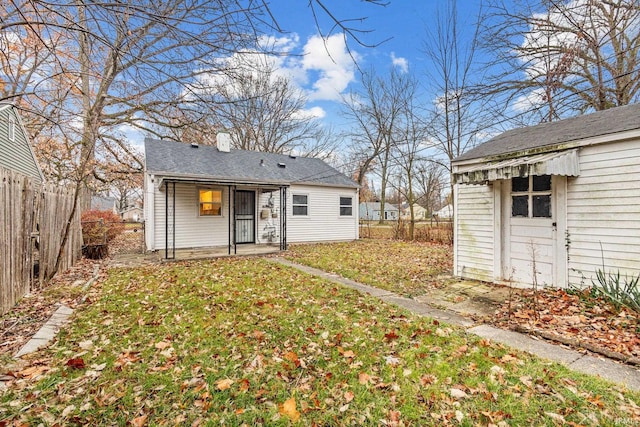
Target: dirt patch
(33, 310)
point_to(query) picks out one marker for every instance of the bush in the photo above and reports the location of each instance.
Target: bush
(100, 227)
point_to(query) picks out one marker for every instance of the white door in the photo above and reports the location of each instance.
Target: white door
(530, 231)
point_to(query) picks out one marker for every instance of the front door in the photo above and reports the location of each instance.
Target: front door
(530, 231)
(245, 216)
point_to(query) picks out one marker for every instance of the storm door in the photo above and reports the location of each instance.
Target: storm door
(245, 216)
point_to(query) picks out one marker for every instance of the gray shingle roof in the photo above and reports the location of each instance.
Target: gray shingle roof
(605, 122)
(180, 160)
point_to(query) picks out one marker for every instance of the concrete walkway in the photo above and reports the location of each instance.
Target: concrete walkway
(605, 368)
(47, 332)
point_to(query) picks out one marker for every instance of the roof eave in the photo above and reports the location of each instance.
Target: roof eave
(561, 146)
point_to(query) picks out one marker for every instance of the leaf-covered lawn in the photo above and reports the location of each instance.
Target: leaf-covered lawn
(405, 268)
(248, 342)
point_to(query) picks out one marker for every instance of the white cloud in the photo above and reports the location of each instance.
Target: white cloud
(313, 112)
(334, 64)
(400, 62)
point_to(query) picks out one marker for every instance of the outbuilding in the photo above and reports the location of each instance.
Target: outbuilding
(214, 196)
(551, 204)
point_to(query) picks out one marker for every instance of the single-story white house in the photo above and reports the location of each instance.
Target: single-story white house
(419, 212)
(549, 204)
(445, 213)
(371, 211)
(214, 196)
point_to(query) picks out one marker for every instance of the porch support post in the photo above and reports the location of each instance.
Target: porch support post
(229, 227)
(233, 222)
(283, 218)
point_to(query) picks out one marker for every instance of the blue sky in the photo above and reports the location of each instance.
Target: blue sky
(399, 30)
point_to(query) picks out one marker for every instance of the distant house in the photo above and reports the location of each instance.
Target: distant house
(212, 196)
(371, 211)
(551, 204)
(101, 203)
(445, 213)
(419, 212)
(132, 213)
(16, 152)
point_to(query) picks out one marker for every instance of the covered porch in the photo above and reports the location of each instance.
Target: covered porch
(253, 214)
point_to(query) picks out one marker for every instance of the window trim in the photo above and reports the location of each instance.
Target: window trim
(200, 214)
(294, 205)
(530, 194)
(12, 129)
(340, 206)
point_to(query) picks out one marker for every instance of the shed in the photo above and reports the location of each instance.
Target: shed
(214, 196)
(551, 204)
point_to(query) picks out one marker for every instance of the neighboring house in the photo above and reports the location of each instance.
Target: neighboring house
(132, 213)
(16, 152)
(445, 213)
(370, 211)
(419, 212)
(550, 204)
(206, 196)
(100, 203)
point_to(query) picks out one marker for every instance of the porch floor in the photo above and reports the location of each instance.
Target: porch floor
(133, 260)
(221, 251)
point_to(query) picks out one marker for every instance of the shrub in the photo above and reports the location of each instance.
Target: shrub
(99, 227)
(620, 291)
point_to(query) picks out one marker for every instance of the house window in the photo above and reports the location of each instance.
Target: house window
(531, 197)
(210, 202)
(12, 129)
(346, 206)
(300, 205)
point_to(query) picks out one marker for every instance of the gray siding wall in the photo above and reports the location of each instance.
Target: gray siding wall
(474, 233)
(603, 211)
(16, 155)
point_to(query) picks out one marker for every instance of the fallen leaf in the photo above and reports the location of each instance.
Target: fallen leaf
(363, 378)
(456, 393)
(348, 396)
(224, 384)
(163, 345)
(76, 363)
(66, 411)
(288, 408)
(139, 421)
(391, 336)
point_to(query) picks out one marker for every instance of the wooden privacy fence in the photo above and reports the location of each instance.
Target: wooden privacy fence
(33, 218)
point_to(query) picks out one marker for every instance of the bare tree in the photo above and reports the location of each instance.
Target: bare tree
(457, 111)
(376, 117)
(560, 58)
(260, 108)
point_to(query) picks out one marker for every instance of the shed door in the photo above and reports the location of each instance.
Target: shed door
(245, 216)
(530, 232)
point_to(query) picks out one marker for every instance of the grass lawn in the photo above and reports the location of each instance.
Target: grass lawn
(406, 268)
(247, 342)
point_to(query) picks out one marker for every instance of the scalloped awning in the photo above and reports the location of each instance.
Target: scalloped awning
(564, 163)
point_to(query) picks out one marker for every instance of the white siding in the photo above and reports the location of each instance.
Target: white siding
(191, 230)
(603, 211)
(474, 232)
(323, 222)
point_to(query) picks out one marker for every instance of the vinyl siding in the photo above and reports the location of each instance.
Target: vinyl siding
(16, 155)
(323, 222)
(603, 211)
(191, 229)
(474, 232)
